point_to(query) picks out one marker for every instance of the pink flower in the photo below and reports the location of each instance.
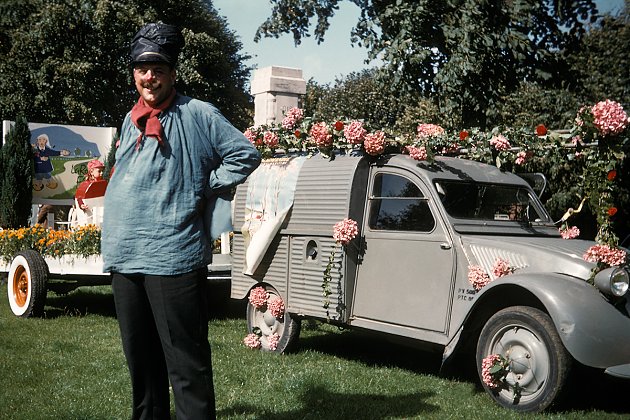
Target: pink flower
(569, 232)
(292, 117)
(354, 132)
(321, 135)
(501, 268)
(500, 142)
(477, 277)
(374, 144)
(258, 297)
(521, 158)
(605, 254)
(270, 139)
(428, 130)
(273, 340)
(276, 307)
(575, 140)
(609, 117)
(488, 363)
(252, 136)
(252, 341)
(345, 230)
(417, 153)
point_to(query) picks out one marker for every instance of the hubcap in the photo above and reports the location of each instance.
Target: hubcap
(20, 286)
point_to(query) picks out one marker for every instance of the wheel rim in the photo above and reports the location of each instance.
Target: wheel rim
(266, 322)
(20, 286)
(529, 360)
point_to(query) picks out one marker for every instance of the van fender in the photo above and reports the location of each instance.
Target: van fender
(591, 329)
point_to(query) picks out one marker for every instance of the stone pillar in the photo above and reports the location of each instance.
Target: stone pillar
(275, 90)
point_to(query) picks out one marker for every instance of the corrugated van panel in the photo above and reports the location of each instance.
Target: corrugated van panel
(273, 268)
(305, 288)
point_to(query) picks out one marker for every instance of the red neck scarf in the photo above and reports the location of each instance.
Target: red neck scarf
(146, 119)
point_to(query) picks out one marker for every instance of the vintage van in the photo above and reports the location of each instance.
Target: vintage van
(422, 228)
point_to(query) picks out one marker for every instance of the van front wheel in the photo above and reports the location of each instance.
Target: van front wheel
(276, 332)
(526, 363)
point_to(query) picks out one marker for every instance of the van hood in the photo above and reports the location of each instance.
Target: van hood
(530, 254)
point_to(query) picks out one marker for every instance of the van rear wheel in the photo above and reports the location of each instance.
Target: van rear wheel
(27, 284)
(275, 334)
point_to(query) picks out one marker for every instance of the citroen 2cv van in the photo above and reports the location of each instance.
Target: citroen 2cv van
(423, 227)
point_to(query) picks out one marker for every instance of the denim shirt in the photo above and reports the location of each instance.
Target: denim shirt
(165, 205)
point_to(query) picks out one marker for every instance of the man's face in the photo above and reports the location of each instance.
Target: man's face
(154, 82)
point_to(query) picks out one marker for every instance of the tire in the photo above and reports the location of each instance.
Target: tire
(523, 333)
(261, 320)
(27, 284)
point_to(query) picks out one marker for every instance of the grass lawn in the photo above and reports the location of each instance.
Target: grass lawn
(70, 366)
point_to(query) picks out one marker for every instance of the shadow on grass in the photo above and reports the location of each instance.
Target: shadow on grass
(318, 402)
(587, 389)
(81, 302)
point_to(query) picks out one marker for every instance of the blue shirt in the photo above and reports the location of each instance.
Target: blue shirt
(165, 205)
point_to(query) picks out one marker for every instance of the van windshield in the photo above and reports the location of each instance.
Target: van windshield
(480, 201)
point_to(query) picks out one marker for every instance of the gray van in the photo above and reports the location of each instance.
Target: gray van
(422, 227)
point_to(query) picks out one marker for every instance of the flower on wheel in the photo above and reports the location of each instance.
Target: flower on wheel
(273, 341)
(258, 297)
(494, 369)
(252, 341)
(276, 307)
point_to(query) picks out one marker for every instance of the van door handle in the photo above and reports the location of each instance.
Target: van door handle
(445, 245)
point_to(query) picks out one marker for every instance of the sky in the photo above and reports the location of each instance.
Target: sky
(334, 58)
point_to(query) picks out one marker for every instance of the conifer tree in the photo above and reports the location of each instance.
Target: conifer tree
(16, 177)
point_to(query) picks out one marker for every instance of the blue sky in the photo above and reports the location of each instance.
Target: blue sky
(335, 57)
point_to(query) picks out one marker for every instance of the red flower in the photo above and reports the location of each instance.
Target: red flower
(541, 130)
(463, 135)
(611, 175)
(338, 126)
(297, 133)
(612, 211)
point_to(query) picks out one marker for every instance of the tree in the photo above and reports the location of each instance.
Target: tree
(68, 61)
(16, 177)
(466, 53)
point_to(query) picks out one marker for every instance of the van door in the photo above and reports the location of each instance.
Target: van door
(406, 276)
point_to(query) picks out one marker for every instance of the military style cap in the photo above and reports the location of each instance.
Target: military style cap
(157, 42)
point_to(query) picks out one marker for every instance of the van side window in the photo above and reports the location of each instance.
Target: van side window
(397, 203)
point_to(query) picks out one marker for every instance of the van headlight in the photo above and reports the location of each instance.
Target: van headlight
(613, 281)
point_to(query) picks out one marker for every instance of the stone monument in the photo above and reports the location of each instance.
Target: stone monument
(276, 90)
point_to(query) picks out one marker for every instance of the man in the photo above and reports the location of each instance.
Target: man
(177, 160)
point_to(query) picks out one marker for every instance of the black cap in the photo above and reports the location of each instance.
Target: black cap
(157, 42)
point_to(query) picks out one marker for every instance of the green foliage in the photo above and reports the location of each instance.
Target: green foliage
(468, 53)
(67, 61)
(16, 177)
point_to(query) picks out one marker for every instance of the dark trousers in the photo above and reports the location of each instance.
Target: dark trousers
(164, 328)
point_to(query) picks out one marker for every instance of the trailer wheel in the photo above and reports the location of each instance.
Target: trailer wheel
(28, 276)
(263, 323)
(538, 361)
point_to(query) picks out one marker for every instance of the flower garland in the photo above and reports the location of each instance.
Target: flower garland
(262, 300)
(344, 231)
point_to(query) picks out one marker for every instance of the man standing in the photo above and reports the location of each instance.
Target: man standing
(177, 160)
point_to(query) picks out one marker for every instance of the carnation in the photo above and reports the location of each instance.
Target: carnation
(251, 135)
(605, 254)
(292, 117)
(609, 117)
(428, 130)
(569, 232)
(501, 268)
(521, 158)
(500, 142)
(354, 132)
(321, 134)
(417, 153)
(258, 297)
(270, 139)
(252, 341)
(345, 230)
(272, 341)
(478, 277)
(541, 130)
(374, 144)
(488, 363)
(276, 307)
